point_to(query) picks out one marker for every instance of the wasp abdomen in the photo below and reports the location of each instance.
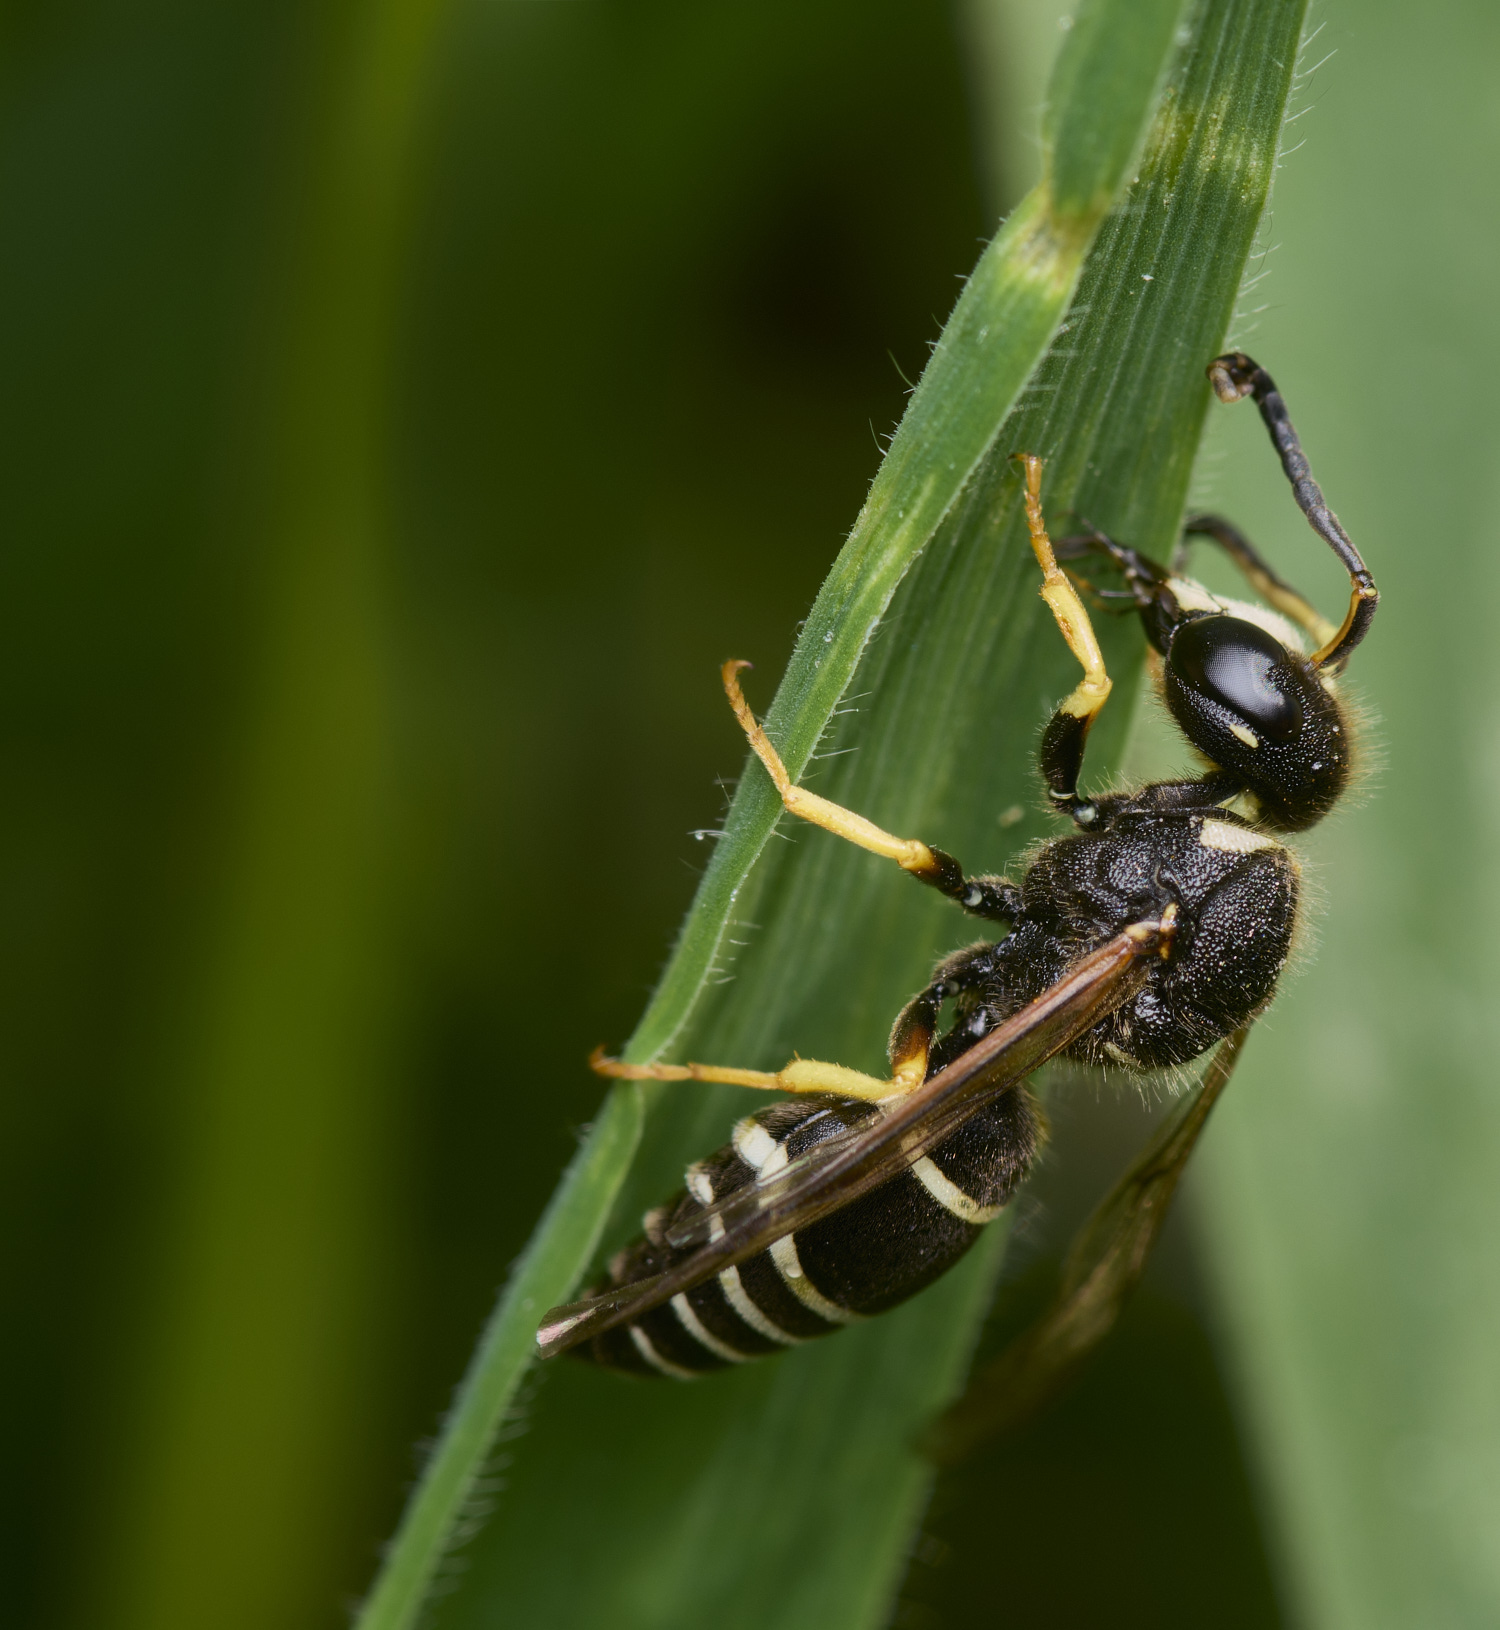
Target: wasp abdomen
(867, 1257)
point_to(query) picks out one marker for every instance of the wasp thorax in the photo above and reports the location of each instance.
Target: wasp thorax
(1259, 711)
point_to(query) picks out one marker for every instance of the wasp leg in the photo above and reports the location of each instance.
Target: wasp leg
(990, 897)
(801, 1075)
(1067, 732)
(1144, 578)
(1273, 589)
(910, 1044)
(1234, 376)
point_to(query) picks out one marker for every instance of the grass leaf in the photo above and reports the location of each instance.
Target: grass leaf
(657, 1506)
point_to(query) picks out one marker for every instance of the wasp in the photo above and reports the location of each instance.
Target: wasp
(1157, 929)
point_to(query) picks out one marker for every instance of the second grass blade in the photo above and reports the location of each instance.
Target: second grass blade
(783, 1494)
(1111, 70)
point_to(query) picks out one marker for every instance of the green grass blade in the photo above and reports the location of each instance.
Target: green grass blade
(1109, 74)
(690, 1506)
(640, 1506)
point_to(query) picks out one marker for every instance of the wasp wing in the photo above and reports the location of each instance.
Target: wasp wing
(821, 1183)
(1103, 1267)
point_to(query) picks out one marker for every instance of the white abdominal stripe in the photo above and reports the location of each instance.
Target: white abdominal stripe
(858, 1261)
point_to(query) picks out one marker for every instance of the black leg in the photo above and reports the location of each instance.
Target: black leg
(916, 1023)
(1142, 574)
(1235, 375)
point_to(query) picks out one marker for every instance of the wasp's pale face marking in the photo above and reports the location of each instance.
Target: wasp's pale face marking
(1191, 596)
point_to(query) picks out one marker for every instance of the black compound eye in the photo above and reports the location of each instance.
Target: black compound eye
(1244, 669)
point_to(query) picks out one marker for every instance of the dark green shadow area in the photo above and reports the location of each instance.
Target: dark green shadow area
(1125, 1503)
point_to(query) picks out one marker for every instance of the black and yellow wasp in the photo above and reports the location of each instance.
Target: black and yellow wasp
(1157, 929)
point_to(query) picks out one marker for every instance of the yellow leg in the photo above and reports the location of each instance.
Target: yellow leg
(1092, 691)
(1362, 603)
(801, 1075)
(910, 1043)
(911, 854)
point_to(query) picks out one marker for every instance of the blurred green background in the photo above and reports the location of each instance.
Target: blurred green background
(406, 406)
